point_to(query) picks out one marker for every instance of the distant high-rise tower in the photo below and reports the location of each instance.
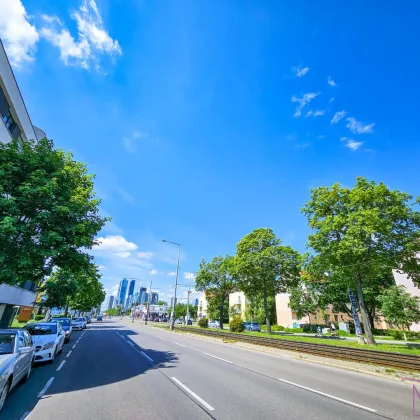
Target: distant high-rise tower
(122, 291)
(131, 287)
(155, 298)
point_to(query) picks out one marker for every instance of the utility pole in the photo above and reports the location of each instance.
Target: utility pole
(188, 303)
(148, 303)
(172, 319)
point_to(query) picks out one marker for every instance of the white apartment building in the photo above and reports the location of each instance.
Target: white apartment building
(15, 120)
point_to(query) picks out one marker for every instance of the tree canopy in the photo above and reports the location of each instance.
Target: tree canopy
(265, 267)
(356, 230)
(48, 211)
(216, 279)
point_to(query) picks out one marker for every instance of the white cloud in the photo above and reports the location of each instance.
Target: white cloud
(18, 35)
(145, 255)
(189, 276)
(154, 272)
(338, 116)
(92, 41)
(357, 127)
(303, 145)
(306, 98)
(172, 273)
(316, 113)
(331, 82)
(352, 144)
(124, 254)
(331, 100)
(115, 244)
(130, 143)
(299, 72)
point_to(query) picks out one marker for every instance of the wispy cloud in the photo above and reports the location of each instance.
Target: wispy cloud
(145, 255)
(189, 276)
(154, 272)
(357, 127)
(303, 101)
(303, 145)
(316, 113)
(338, 116)
(19, 36)
(352, 144)
(331, 100)
(93, 40)
(172, 273)
(299, 72)
(130, 143)
(331, 82)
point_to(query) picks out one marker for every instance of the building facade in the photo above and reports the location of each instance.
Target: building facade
(155, 298)
(122, 292)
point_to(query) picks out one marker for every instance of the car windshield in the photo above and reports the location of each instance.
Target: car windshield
(7, 343)
(42, 329)
(78, 320)
(65, 322)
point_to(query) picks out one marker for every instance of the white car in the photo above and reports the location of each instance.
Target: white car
(48, 338)
(214, 324)
(78, 323)
(17, 354)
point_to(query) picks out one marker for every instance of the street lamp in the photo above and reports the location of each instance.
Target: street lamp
(171, 319)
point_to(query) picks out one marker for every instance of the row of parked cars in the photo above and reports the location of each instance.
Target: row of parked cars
(37, 342)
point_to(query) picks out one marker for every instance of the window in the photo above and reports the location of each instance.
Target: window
(28, 339)
(336, 318)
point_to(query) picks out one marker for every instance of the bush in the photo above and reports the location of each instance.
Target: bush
(312, 328)
(294, 330)
(342, 333)
(39, 317)
(237, 325)
(277, 328)
(396, 334)
(203, 323)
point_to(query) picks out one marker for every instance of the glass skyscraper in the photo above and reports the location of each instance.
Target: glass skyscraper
(122, 291)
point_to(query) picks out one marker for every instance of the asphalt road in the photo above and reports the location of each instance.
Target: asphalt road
(117, 371)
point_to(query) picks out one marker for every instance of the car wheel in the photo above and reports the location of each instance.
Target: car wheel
(28, 374)
(4, 393)
(51, 361)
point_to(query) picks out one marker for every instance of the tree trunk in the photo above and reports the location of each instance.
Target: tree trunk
(267, 315)
(363, 311)
(221, 314)
(371, 319)
(67, 308)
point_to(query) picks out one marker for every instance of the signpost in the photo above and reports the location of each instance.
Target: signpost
(358, 326)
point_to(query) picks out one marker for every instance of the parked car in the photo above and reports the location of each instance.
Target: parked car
(67, 328)
(252, 326)
(78, 323)
(17, 353)
(88, 319)
(99, 318)
(189, 322)
(178, 321)
(214, 324)
(48, 338)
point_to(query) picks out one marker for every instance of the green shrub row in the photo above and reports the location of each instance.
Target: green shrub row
(236, 324)
(203, 323)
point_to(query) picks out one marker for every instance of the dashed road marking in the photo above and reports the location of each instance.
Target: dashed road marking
(47, 385)
(218, 358)
(193, 394)
(69, 353)
(146, 356)
(60, 366)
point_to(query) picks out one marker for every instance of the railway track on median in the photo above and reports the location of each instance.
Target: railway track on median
(388, 359)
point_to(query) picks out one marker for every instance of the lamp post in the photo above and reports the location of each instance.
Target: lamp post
(171, 319)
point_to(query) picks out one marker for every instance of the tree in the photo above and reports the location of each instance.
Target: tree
(265, 267)
(400, 307)
(215, 278)
(357, 230)
(90, 291)
(254, 310)
(48, 211)
(59, 289)
(304, 300)
(161, 302)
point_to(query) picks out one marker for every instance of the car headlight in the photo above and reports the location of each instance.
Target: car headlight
(48, 345)
(67, 332)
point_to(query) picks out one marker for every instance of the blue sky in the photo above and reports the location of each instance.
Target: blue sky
(204, 120)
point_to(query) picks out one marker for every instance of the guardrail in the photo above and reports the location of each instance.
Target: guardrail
(383, 358)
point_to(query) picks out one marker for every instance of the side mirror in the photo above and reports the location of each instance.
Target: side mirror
(25, 350)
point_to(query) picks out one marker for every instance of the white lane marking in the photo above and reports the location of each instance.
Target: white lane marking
(131, 344)
(219, 358)
(25, 415)
(61, 365)
(47, 385)
(77, 340)
(69, 353)
(146, 356)
(192, 393)
(178, 344)
(74, 346)
(328, 395)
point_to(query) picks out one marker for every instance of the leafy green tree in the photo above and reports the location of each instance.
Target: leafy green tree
(48, 211)
(265, 267)
(161, 302)
(400, 307)
(304, 299)
(357, 230)
(59, 289)
(254, 310)
(216, 279)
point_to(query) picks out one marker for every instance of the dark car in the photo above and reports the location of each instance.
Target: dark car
(189, 322)
(67, 328)
(252, 326)
(88, 319)
(99, 318)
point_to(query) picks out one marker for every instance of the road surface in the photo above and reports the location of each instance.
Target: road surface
(115, 371)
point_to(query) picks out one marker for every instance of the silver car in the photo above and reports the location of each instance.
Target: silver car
(17, 353)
